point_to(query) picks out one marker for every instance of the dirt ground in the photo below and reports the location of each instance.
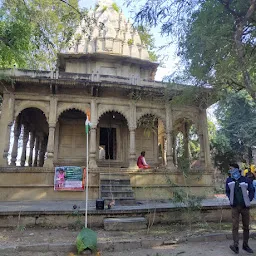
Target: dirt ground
(188, 249)
(29, 236)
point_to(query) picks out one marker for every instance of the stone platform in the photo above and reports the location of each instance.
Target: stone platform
(36, 183)
(63, 214)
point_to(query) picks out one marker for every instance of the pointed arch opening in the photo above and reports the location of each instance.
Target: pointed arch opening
(151, 138)
(70, 139)
(29, 138)
(186, 145)
(112, 138)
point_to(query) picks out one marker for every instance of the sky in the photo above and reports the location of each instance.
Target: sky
(170, 65)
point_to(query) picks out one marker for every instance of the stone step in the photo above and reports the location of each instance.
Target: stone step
(116, 188)
(120, 176)
(120, 202)
(116, 194)
(125, 224)
(120, 198)
(115, 182)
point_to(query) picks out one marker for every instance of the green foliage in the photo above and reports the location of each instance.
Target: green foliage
(149, 124)
(115, 7)
(86, 239)
(14, 38)
(236, 115)
(191, 95)
(148, 40)
(130, 42)
(194, 144)
(190, 205)
(208, 45)
(33, 32)
(77, 215)
(216, 38)
(222, 152)
(104, 8)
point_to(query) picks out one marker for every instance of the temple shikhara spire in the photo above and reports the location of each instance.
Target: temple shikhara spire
(110, 33)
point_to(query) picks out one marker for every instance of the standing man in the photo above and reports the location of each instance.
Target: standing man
(240, 192)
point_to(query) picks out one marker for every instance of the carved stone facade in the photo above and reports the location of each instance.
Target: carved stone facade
(129, 114)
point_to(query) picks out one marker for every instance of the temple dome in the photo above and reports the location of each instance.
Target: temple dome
(111, 33)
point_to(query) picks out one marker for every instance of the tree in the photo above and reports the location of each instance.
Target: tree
(216, 38)
(236, 115)
(32, 32)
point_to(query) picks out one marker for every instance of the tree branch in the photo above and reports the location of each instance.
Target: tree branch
(226, 4)
(63, 1)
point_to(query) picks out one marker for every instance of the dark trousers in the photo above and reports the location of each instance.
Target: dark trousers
(245, 212)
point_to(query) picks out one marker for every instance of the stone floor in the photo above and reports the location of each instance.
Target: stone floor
(67, 206)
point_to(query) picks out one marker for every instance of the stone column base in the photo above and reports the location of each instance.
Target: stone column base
(92, 164)
(3, 161)
(133, 164)
(49, 161)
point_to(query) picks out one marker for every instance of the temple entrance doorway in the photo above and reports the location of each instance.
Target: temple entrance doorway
(112, 139)
(108, 143)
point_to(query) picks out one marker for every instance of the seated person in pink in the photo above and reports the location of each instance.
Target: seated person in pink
(142, 164)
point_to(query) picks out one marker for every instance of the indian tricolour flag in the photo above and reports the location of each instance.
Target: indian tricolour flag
(88, 121)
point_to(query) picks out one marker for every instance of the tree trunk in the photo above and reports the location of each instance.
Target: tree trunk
(240, 24)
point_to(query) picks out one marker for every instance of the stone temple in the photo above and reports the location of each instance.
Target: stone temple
(109, 73)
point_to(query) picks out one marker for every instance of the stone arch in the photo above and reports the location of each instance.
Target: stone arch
(119, 109)
(31, 128)
(151, 131)
(191, 116)
(154, 113)
(186, 138)
(67, 106)
(22, 105)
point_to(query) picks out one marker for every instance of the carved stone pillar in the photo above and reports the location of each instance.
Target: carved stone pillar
(6, 121)
(93, 140)
(169, 139)
(132, 130)
(31, 148)
(175, 160)
(132, 157)
(186, 140)
(36, 151)
(52, 124)
(24, 145)
(42, 149)
(201, 141)
(17, 128)
(50, 148)
(204, 127)
(92, 156)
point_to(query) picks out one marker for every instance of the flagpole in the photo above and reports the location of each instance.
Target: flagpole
(86, 190)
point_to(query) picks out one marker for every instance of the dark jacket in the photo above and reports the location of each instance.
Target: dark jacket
(241, 180)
